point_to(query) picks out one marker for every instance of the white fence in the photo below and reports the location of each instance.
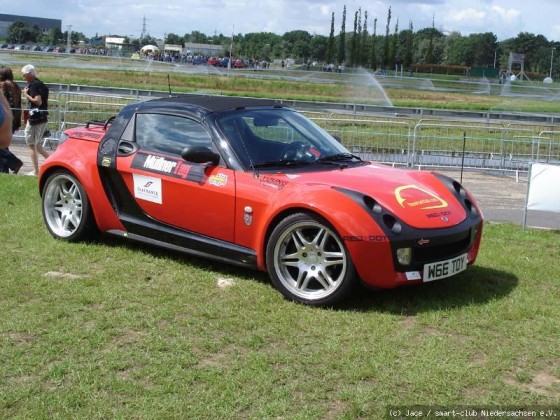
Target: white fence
(447, 143)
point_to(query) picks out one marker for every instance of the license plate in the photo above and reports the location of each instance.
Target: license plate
(443, 269)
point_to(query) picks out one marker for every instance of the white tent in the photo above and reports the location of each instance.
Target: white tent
(148, 48)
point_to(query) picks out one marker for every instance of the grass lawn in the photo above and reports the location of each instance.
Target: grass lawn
(110, 329)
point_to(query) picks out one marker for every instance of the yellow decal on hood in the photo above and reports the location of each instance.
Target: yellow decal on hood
(415, 198)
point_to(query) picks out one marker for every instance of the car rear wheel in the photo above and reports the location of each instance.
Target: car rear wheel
(308, 262)
(66, 208)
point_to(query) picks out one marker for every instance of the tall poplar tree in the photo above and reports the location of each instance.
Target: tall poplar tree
(394, 53)
(430, 52)
(386, 41)
(354, 42)
(330, 43)
(373, 51)
(341, 57)
(363, 53)
(409, 47)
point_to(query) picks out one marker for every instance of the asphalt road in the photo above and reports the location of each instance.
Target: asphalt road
(501, 197)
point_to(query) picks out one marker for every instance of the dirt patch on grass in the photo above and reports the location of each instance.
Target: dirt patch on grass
(542, 383)
(220, 359)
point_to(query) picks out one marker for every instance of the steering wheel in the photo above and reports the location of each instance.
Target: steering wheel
(298, 151)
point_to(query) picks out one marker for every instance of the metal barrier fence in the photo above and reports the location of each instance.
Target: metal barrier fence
(79, 108)
(388, 139)
(447, 143)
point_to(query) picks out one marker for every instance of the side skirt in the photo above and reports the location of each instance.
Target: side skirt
(185, 242)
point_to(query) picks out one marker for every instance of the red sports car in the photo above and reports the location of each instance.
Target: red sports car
(253, 183)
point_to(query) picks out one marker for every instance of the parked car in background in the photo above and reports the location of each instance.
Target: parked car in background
(240, 64)
(198, 60)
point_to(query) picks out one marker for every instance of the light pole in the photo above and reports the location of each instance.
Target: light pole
(551, 58)
(68, 35)
(229, 65)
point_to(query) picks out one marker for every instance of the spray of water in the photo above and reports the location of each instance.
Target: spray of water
(362, 82)
(528, 89)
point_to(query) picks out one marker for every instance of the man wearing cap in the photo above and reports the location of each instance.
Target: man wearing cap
(37, 94)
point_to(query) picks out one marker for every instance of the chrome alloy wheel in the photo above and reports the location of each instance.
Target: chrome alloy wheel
(63, 205)
(310, 260)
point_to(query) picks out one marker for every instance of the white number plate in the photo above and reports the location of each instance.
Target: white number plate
(443, 269)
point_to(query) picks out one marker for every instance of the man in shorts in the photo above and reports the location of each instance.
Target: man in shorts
(37, 94)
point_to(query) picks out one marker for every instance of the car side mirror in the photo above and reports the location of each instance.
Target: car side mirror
(200, 154)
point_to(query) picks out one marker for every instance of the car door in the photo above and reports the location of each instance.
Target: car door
(197, 198)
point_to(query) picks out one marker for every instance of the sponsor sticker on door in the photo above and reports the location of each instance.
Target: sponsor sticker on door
(147, 188)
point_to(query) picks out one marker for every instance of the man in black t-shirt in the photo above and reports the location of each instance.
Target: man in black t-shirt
(37, 93)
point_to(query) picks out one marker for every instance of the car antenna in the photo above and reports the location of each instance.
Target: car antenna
(169, 85)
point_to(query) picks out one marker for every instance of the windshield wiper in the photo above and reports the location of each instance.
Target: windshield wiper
(338, 158)
(283, 162)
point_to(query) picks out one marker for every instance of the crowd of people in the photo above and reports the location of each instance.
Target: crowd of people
(35, 117)
(189, 58)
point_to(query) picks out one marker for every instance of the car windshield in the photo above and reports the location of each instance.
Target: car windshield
(278, 137)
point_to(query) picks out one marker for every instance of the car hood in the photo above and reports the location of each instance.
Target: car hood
(418, 198)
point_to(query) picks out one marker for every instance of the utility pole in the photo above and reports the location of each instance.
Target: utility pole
(68, 33)
(143, 34)
(231, 46)
(551, 58)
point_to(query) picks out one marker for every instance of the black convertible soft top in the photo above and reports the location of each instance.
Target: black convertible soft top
(218, 103)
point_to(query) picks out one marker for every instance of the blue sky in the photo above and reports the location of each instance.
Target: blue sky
(126, 17)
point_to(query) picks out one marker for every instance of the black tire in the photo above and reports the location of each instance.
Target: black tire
(308, 262)
(66, 208)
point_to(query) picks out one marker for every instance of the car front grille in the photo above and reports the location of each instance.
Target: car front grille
(435, 246)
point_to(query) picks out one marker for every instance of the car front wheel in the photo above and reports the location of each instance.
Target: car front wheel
(308, 262)
(66, 208)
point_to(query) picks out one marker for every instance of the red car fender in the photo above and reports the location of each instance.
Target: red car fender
(348, 219)
(473, 252)
(83, 166)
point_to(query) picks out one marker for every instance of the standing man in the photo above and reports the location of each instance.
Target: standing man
(37, 93)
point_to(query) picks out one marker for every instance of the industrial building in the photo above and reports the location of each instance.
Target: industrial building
(43, 23)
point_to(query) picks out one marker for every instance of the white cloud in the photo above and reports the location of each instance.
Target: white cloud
(469, 16)
(511, 16)
(506, 18)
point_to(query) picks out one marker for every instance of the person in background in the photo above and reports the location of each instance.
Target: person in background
(37, 93)
(5, 122)
(12, 92)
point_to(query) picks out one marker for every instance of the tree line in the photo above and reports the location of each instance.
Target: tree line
(361, 41)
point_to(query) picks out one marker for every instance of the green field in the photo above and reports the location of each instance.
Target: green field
(111, 329)
(355, 86)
